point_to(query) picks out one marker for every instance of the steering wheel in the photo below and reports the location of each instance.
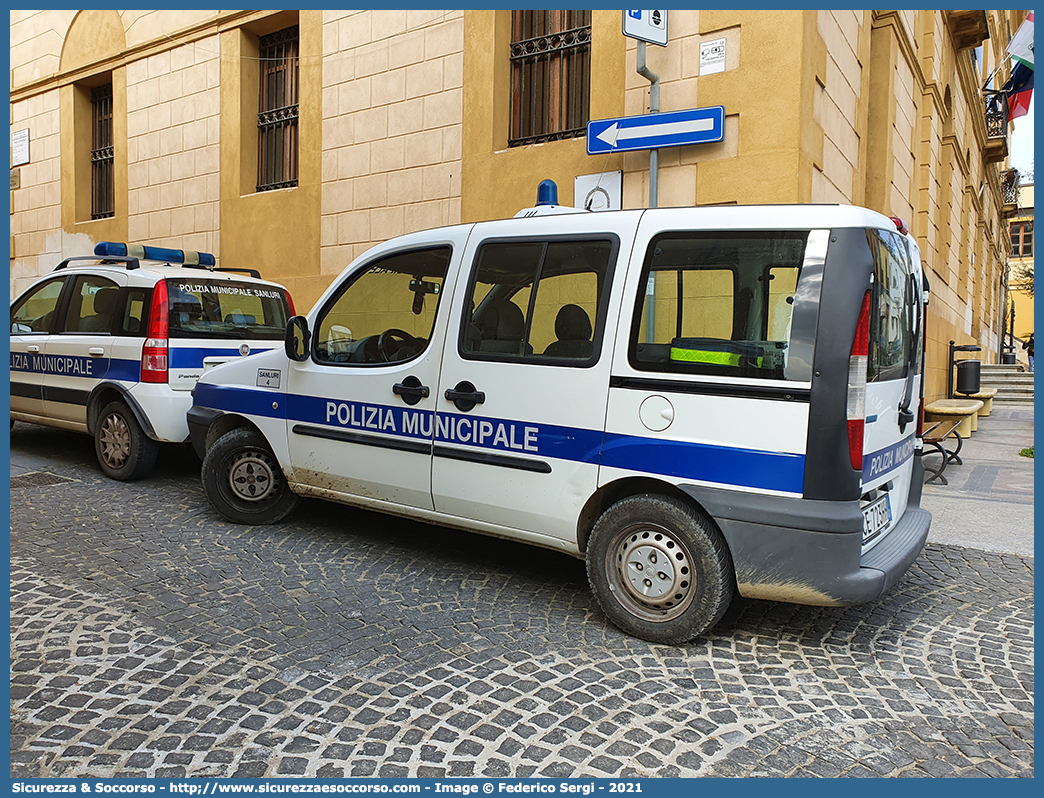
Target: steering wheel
(406, 341)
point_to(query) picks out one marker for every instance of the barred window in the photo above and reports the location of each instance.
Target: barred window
(277, 106)
(102, 187)
(550, 75)
(1022, 239)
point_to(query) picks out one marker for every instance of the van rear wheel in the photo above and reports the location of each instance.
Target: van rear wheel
(123, 449)
(243, 481)
(659, 569)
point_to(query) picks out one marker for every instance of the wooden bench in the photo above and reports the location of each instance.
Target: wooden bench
(934, 437)
(966, 409)
(986, 396)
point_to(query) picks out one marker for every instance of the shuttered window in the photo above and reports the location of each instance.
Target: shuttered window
(102, 185)
(277, 117)
(550, 75)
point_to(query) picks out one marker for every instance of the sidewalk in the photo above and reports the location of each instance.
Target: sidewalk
(989, 501)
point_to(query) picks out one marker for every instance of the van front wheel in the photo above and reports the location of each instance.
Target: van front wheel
(660, 569)
(243, 480)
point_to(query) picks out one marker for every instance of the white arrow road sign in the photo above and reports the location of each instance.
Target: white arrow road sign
(653, 131)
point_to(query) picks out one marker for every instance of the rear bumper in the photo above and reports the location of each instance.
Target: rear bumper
(779, 558)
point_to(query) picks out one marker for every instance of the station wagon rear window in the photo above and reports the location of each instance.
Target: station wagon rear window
(226, 309)
(719, 303)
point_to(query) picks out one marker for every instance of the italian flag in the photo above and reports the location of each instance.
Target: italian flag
(1021, 45)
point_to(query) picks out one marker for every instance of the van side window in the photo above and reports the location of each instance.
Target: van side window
(890, 322)
(718, 303)
(386, 312)
(538, 301)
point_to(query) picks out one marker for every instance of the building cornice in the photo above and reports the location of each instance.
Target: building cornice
(227, 21)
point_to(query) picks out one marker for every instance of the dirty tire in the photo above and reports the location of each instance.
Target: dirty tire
(123, 449)
(243, 480)
(660, 569)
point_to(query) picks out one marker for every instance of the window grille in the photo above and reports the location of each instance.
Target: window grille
(102, 186)
(277, 133)
(550, 75)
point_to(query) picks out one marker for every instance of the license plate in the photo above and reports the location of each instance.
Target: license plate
(876, 517)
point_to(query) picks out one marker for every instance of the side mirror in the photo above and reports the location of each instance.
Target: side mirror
(296, 343)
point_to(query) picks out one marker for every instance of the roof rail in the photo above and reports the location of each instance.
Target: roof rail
(129, 263)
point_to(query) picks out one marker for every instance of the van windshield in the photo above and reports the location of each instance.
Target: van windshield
(226, 309)
(719, 303)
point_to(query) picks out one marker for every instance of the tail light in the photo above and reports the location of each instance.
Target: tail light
(856, 405)
(154, 352)
(290, 302)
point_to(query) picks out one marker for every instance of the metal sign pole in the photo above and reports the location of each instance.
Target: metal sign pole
(654, 107)
(654, 169)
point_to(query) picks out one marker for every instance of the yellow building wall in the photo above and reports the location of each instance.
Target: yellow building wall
(392, 90)
(404, 125)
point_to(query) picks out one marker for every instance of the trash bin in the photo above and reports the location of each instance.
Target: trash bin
(968, 372)
(1007, 358)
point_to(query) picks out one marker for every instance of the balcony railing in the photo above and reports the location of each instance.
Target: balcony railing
(996, 109)
(1009, 179)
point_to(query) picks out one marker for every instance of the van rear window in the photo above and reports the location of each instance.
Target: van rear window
(201, 309)
(891, 322)
(718, 303)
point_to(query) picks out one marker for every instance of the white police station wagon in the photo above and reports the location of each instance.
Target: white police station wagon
(113, 348)
(700, 401)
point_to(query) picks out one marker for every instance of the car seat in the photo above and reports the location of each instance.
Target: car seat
(104, 305)
(503, 328)
(573, 329)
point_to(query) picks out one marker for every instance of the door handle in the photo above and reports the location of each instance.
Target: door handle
(411, 390)
(97, 351)
(32, 349)
(464, 396)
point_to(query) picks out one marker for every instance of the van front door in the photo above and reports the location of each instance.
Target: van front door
(521, 404)
(360, 414)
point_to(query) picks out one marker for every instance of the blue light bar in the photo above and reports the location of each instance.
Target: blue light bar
(188, 257)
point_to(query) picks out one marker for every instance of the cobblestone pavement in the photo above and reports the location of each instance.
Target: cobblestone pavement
(149, 638)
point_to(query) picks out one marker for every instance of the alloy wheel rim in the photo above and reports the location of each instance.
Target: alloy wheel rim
(115, 441)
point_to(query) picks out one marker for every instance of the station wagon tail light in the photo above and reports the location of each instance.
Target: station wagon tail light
(856, 405)
(900, 225)
(290, 303)
(154, 352)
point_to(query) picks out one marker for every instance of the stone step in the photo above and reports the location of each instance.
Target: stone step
(991, 368)
(1012, 400)
(1014, 382)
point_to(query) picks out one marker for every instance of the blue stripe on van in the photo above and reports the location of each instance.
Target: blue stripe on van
(705, 462)
(750, 468)
(887, 459)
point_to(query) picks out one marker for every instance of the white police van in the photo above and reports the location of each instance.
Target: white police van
(113, 347)
(700, 401)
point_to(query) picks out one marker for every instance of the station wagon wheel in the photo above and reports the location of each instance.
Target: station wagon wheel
(123, 449)
(660, 569)
(243, 480)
